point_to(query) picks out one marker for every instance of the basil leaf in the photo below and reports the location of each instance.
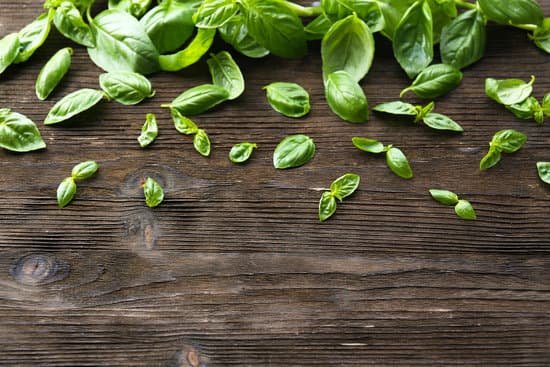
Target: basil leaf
(215, 13)
(182, 124)
(397, 108)
(52, 73)
(69, 23)
(289, 99)
(368, 145)
(546, 104)
(154, 194)
(424, 111)
(9, 49)
(512, 11)
(226, 73)
(508, 91)
(541, 36)
(393, 11)
(191, 54)
(293, 151)
(327, 206)
(526, 109)
(443, 12)
(118, 33)
(543, 169)
(398, 163)
(275, 26)
(441, 122)
(149, 131)
(84, 170)
(434, 81)
(65, 192)
(463, 40)
(465, 210)
(509, 141)
(444, 197)
(135, 7)
(201, 142)
(348, 46)
(199, 99)
(344, 186)
(368, 11)
(241, 152)
(346, 98)
(413, 39)
(18, 133)
(317, 28)
(490, 159)
(235, 33)
(126, 88)
(73, 104)
(33, 36)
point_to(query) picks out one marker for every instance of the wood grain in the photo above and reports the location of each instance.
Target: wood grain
(234, 269)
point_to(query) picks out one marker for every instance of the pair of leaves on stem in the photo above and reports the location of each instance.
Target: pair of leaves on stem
(504, 141)
(186, 126)
(293, 151)
(340, 189)
(153, 192)
(67, 188)
(395, 158)
(18, 133)
(463, 208)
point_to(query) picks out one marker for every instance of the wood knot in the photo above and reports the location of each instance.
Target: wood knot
(189, 356)
(36, 269)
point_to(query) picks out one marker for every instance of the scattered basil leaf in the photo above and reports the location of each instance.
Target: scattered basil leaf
(149, 131)
(434, 81)
(241, 152)
(346, 98)
(69, 23)
(398, 163)
(9, 49)
(73, 104)
(293, 151)
(182, 124)
(215, 13)
(65, 192)
(444, 196)
(345, 185)
(543, 169)
(541, 36)
(199, 99)
(317, 28)
(154, 194)
(135, 7)
(368, 145)
(226, 73)
(508, 91)
(327, 206)
(33, 36)
(490, 159)
(397, 108)
(126, 87)
(18, 133)
(289, 99)
(84, 170)
(512, 11)
(509, 141)
(465, 210)
(546, 104)
(438, 121)
(201, 142)
(191, 54)
(235, 32)
(52, 73)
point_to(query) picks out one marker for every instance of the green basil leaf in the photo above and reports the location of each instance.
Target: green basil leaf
(18, 133)
(118, 33)
(546, 104)
(293, 151)
(413, 39)
(191, 54)
(84, 170)
(541, 36)
(52, 73)
(226, 73)
(215, 13)
(235, 33)
(241, 152)
(33, 36)
(465, 210)
(69, 23)
(393, 11)
(199, 99)
(149, 131)
(397, 108)
(424, 111)
(398, 163)
(327, 206)
(126, 87)
(73, 104)
(154, 194)
(135, 7)
(368, 145)
(348, 46)
(543, 169)
(443, 12)
(508, 91)
(201, 142)
(463, 40)
(441, 122)
(508, 141)
(65, 192)
(289, 99)
(444, 196)
(275, 26)
(368, 11)
(345, 185)
(526, 109)
(512, 11)
(182, 124)
(490, 159)
(346, 98)
(317, 28)
(9, 49)
(434, 81)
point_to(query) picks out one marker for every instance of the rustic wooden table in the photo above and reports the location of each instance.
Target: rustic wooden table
(234, 269)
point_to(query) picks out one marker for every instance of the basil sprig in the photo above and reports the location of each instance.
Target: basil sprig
(18, 133)
(241, 152)
(293, 151)
(289, 99)
(226, 74)
(395, 158)
(52, 73)
(434, 81)
(508, 91)
(504, 141)
(463, 208)
(149, 131)
(67, 188)
(153, 192)
(340, 189)
(184, 125)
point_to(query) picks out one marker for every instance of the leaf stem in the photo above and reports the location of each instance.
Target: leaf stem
(527, 27)
(465, 4)
(303, 11)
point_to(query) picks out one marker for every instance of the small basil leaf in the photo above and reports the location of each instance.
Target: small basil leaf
(73, 104)
(235, 33)
(241, 152)
(149, 131)
(199, 99)
(368, 145)
(154, 194)
(215, 13)
(201, 142)
(65, 192)
(293, 151)
(327, 206)
(52, 73)
(441, 122)
(345, 185)
(543, 169)
(490, 159)
(226, 73)
(182, 124)
(424, 111)
(84, 170)
(508, 91)
(541, 36)
(346, 98)
(69, 23)
(508, 141)
(444, 197)
(512, 11)
(546, 104)
(397, 108)
(125, 87)
(465, 210)
(434, 81)
(135, 7)
(398, 163)
(289, 99)
(9, 49)
(33, 36)
(317, 28)
(18, 133)
(191, 54)
(526, 109)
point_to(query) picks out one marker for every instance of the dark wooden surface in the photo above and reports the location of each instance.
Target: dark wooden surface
(234, 269)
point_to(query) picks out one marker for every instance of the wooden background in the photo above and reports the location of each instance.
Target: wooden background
(234, 268)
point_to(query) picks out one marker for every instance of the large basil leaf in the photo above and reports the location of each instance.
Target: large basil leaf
(235, 33)
(118, 33)
(215, 13)
(135, 7)
(199, 99)
(512, 11)
(289, 99)
(33, 36)
(73, 104)
(52, 73)
(69, 23)
(125, 87)
(9, 49)
(226, 73)
(346, 98)
(191, 54)
(18, 133)
(434, 81)
(368, 10)
(413, 39)
(293, 151)
(443, 12)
